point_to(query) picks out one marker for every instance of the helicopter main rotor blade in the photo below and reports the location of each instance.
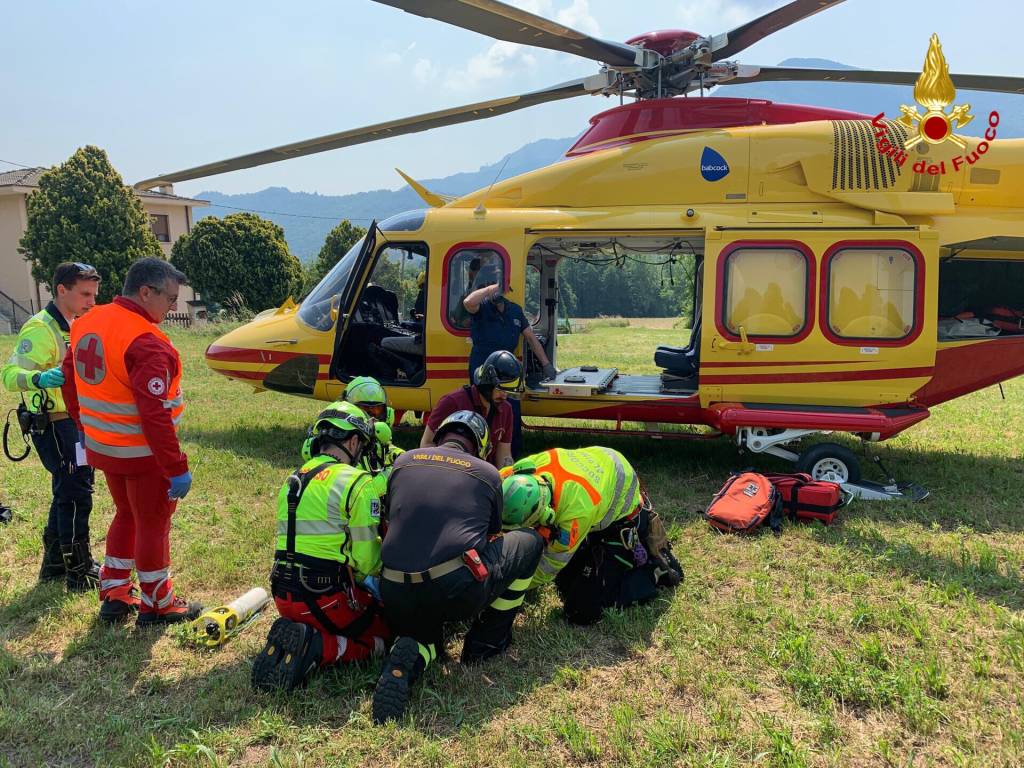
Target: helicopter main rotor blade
(753, 74)
(503, 22)
(732, 42)
(479, 111)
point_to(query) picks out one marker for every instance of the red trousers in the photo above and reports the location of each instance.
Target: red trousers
(139, 537)
(337, 609)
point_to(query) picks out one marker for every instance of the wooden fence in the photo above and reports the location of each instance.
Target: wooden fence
(180, 319)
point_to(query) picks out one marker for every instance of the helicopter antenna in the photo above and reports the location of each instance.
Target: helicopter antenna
(481, 208)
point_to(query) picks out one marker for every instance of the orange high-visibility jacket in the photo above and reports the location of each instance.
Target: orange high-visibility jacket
(107, 410)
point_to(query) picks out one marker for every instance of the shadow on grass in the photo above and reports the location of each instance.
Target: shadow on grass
(277, 444)
(148, 718)
(39, 603)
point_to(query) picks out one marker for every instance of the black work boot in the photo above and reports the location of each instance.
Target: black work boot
(53, 562)
(83, 573)
(292, 653)
(403, 666)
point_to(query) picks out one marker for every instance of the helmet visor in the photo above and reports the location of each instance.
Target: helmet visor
(377, 411)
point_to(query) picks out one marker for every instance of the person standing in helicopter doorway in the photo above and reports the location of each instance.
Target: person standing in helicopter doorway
(496, 324)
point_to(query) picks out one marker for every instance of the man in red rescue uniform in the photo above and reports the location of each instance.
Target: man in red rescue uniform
(123, 389)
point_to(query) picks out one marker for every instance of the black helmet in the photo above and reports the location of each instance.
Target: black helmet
(469, 424)
(501, 370)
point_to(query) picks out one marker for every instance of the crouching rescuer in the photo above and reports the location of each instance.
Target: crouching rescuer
(605, 545)
(327, 558)
(445, 558)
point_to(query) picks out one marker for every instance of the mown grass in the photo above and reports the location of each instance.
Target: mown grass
(894, 638)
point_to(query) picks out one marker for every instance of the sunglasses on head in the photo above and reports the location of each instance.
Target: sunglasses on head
(85, 270)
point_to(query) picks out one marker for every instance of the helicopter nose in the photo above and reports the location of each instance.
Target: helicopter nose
(268, 353)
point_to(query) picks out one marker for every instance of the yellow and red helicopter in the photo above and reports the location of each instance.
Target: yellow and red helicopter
(844, 263)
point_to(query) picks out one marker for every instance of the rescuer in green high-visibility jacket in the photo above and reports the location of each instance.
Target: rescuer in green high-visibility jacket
(582, 501)
(34, 371)
(327, 558)
(571, 493)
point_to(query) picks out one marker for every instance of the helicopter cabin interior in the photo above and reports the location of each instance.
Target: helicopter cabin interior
(981, 289)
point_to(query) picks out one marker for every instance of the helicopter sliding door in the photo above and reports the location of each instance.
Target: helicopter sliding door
(817, 317)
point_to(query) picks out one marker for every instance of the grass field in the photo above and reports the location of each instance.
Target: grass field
(894, 638)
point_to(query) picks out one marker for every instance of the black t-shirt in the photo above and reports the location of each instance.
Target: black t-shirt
(441, 502)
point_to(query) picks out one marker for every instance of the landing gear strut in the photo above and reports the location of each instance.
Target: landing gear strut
(827, 461)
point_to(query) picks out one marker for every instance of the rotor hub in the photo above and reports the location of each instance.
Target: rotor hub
(664, 41)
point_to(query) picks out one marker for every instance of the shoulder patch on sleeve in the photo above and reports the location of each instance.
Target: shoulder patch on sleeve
(25, 346)
(156, 386)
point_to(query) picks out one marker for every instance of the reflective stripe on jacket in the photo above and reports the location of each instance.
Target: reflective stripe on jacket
(337, 517)
(108, 412)
(591, 489)
(41, 345)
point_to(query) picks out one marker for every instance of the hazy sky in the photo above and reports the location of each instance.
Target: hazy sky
(164, 86)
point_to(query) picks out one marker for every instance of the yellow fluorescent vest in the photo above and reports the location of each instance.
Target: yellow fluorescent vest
(591, 489)
(41, 345)
(337, 517)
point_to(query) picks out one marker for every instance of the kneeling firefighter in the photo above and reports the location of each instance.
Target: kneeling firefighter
(605, 544)
(327, 560)
(445, 559)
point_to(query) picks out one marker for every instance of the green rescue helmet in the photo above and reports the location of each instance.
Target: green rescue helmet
(527, 502)
(368, 394)
(341, 420)
(469, 424)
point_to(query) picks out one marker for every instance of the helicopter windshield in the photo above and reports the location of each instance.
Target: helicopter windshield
(316, 309)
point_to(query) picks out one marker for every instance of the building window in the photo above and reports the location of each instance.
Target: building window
(469, 269)
(160, 224)
(872, 293)
(765, 292)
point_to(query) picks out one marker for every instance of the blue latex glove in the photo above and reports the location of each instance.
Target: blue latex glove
(180, 486)
(372, 585)
(51, 378)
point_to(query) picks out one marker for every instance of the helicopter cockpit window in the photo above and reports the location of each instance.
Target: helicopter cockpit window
(468, 270)
(316, 307)
(872, 293)
(766, 292)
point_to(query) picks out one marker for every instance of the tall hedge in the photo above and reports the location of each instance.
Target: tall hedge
(240, 257)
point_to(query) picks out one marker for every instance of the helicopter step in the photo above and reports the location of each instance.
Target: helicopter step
(828, 461)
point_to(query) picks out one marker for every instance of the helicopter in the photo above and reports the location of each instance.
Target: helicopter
(846, 266)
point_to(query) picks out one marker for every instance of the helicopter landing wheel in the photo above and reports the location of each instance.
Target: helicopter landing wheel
(830, 461)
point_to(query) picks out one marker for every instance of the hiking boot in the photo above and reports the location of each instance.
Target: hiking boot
(176, 612)
(391, 696)
(291, 654)
(119, 604)
(53, 562)
(83, 573)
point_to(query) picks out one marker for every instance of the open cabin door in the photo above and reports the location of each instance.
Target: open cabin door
(819, 318)
(348, 298)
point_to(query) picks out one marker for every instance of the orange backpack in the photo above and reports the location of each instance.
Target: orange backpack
(746, 501)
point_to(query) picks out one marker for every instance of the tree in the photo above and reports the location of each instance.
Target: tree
(339, 241)
(240, 257)
(83, 211)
